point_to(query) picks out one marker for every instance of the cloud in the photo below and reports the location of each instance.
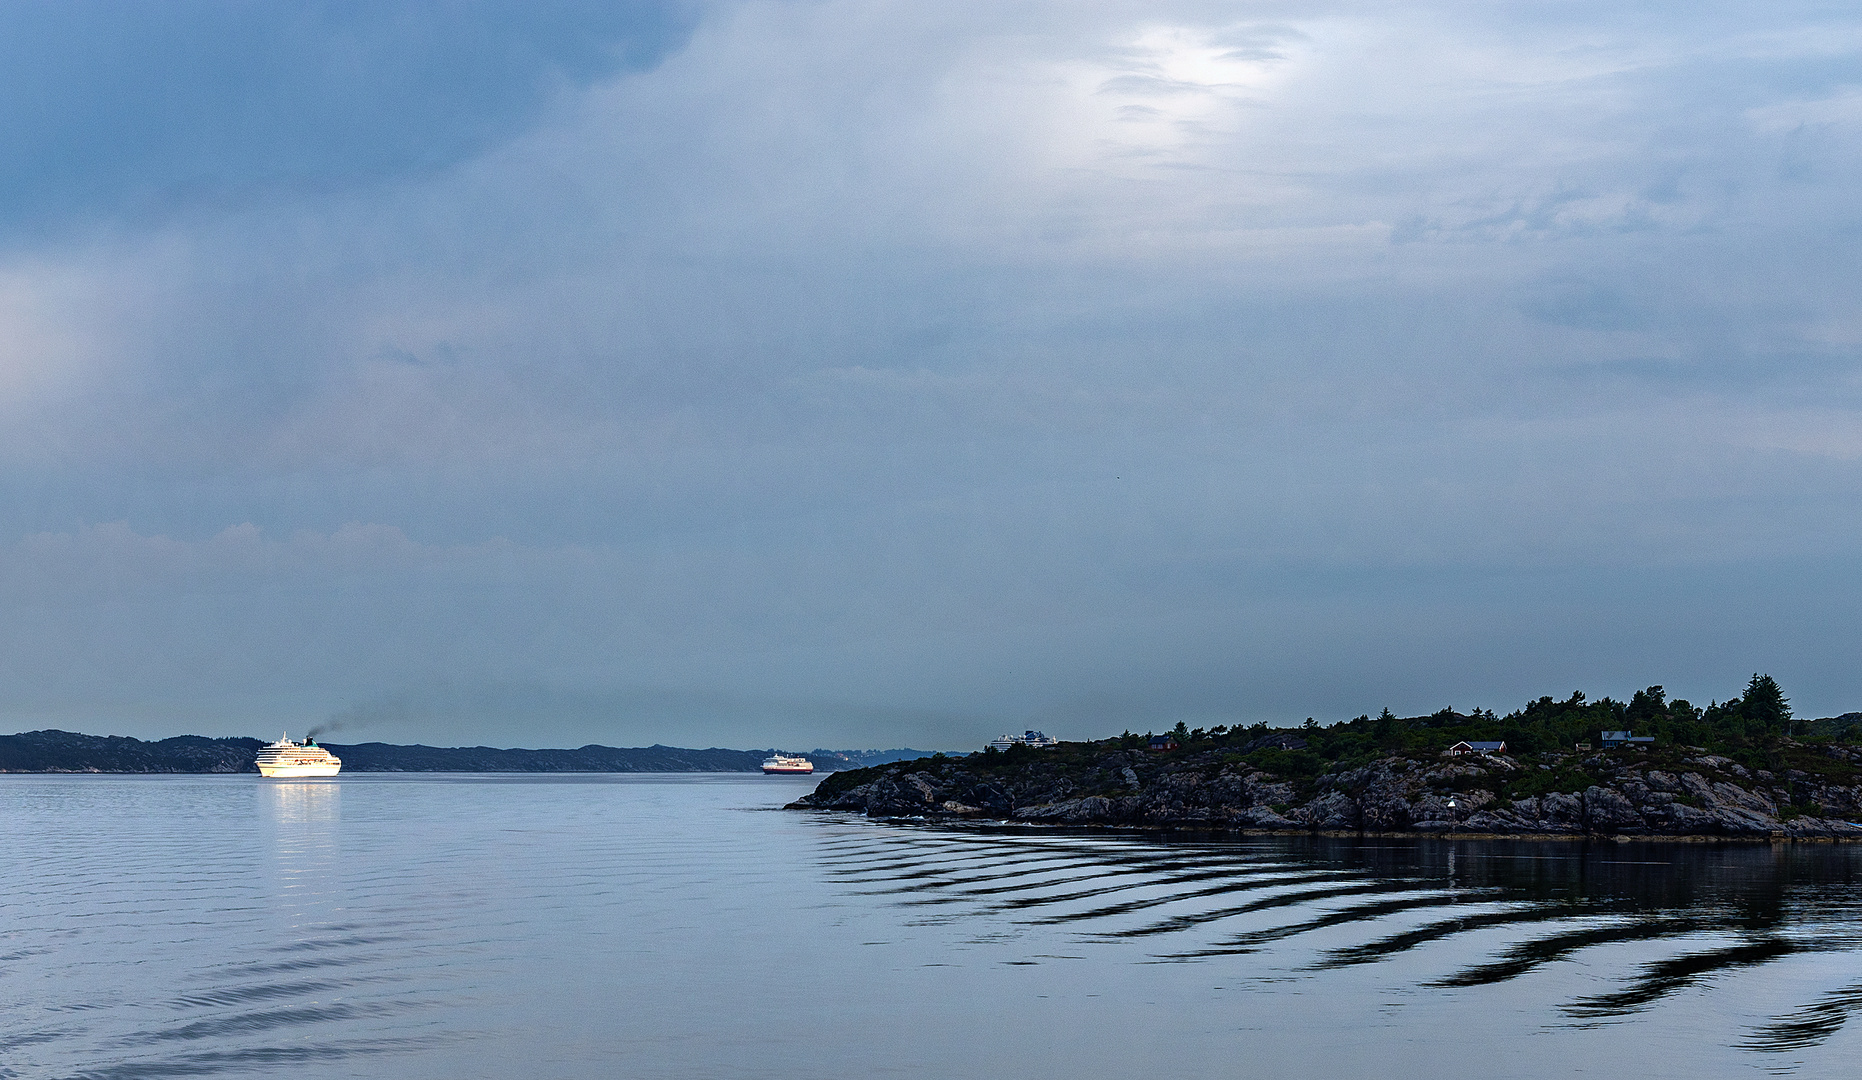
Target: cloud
(141, 110)
(791, 367)
(1585, 306)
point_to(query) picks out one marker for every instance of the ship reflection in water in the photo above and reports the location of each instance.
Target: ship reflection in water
(1653, 920)
(298, 822)
(300, 802)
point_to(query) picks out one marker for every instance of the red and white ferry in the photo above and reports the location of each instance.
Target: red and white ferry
(783, 763)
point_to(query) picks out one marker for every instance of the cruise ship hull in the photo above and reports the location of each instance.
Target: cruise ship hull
(284, 759)
(789, 769)
(327, 768)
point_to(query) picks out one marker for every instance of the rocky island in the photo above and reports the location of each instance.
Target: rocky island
(1743, 769)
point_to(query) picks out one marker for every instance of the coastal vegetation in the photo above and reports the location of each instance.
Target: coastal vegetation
(1746, 728)
(1745, 766)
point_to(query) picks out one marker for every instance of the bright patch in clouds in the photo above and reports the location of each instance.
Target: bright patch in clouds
(1174, 92)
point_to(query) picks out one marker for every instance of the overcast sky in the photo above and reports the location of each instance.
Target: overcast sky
(871, 374)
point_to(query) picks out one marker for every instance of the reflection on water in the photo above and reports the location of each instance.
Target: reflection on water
(186, 926)
(297, 821)
(301, 801)
(1716, 912)
(571, 927)
(1811, 1024)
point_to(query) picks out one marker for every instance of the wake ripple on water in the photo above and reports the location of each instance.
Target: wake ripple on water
(1809, 1025)
(245, 943)
(583, 927)
(314, 997)
(1720, 911)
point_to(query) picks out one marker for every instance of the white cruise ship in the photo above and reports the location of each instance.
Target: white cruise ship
(287, 758)
(783, 763)
(1036, 739)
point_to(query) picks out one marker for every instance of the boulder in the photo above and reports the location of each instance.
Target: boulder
(1334, 810)
(1607, 810)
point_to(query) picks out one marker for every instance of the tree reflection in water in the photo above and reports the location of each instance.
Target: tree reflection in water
(1723, 908)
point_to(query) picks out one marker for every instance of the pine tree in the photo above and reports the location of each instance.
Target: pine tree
(1765, 704)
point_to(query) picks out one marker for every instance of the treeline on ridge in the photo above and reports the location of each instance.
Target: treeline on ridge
(1737, 727)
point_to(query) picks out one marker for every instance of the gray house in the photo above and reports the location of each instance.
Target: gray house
(1626, 738)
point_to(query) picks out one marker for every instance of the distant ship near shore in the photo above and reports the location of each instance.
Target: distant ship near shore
(285, 758)
(52, 751)
(783, 763)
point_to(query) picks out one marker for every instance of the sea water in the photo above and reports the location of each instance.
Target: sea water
(686, 926)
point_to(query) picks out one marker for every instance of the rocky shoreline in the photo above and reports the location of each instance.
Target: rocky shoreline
(1813, 792)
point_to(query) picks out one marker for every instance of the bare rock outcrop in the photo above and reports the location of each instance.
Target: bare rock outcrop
(1702, 795)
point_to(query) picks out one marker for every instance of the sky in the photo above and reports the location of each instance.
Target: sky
(867, 374)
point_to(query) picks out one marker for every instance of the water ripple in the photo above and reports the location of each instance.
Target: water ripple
(1525, 906)
(1809, 1025)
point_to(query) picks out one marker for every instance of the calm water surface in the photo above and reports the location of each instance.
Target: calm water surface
(681, 926)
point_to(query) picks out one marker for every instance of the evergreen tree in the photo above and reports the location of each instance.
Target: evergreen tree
(1647, 706)
(1765, 705)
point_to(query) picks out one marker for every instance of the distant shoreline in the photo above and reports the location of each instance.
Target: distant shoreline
(54, 752)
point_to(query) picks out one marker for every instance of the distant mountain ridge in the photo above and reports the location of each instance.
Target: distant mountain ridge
(52, 751)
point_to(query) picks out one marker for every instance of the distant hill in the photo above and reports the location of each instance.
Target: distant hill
(69, 752)
(837, 760)
(387, 757)
(1834, 727)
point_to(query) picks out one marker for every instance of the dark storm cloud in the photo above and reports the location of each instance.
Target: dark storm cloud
(139, 108)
